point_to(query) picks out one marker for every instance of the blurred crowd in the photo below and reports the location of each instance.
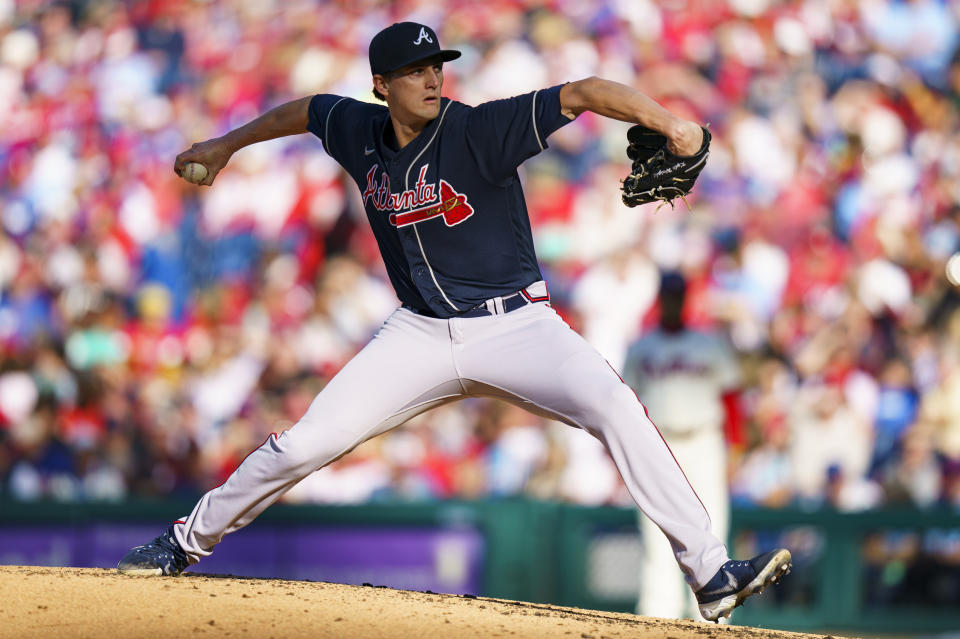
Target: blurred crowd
(152, 332)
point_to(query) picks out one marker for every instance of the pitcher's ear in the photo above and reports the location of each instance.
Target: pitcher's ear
(381, 87)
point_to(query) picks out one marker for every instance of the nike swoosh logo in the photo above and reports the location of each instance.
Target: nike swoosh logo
(730, 585)
(368, 151)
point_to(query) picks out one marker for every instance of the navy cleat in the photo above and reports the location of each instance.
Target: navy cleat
(737, 580)
(162, 556)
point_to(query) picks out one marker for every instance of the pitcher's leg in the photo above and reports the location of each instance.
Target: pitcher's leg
(404, 370)
(539, 359)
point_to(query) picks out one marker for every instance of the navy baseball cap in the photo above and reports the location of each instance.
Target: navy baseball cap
(404, 43)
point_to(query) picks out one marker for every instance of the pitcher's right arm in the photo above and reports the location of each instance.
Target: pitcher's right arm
(286, 119)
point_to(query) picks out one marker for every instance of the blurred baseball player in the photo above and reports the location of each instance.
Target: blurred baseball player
(688, 380)
(440, 186)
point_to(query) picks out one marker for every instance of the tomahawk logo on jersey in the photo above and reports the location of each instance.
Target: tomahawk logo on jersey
(453, 206)
(461, 170)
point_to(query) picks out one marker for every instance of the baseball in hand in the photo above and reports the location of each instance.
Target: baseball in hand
(194, 172)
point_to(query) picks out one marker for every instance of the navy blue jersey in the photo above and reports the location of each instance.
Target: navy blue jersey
(447, 210)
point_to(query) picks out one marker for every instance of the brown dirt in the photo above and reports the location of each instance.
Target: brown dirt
(90, 602)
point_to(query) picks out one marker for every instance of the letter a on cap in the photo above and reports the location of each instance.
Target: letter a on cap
(423, 36)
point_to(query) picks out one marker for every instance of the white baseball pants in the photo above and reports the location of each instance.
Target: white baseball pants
(529, 357)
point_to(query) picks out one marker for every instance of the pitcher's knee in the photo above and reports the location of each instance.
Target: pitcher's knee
(612, 404)
(304, 453)
(298, 459)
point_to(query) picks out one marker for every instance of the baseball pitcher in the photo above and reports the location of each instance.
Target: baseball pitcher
(440, 186)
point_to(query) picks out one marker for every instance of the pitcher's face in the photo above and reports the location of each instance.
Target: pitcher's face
(413, 92)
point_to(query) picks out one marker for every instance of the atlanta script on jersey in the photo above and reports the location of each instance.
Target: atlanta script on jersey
(452, 206)
(447, 210)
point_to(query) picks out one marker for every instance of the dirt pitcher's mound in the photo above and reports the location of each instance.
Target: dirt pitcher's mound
(91, 602)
